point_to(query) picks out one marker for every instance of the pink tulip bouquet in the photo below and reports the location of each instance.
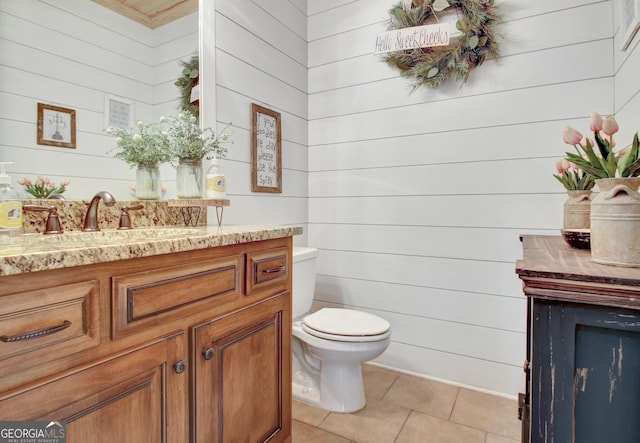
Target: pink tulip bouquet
(572, 177)
(43, 187)
(600, 160)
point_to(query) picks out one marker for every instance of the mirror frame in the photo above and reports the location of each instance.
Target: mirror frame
(207, 55)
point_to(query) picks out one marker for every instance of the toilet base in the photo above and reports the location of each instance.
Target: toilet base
(338, 387)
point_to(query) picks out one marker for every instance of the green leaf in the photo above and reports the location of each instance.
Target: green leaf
(602, 145)
(440, 5)
(462, 25)
(398, 12)
(473, 42)
(193, 74)
(432, 72)
(629, 163)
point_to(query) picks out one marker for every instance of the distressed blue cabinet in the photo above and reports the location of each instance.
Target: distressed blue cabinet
(583, 357)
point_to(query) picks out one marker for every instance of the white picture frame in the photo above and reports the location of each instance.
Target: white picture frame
(118, 112)
(629, 22)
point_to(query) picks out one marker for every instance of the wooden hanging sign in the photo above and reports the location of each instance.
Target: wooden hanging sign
(266, 150)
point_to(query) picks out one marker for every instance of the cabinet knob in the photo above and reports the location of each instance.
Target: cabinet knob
(180, 366)
(208, 354)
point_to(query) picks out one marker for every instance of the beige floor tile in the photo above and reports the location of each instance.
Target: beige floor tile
(306, 413)
(493, 438)
(377, 380)
(423, 395)
(304, 433)
(422, 428)
(490, 413)
(379, 422)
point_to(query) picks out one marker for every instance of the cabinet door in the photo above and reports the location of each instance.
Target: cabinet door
(584, 380)
(242, 380)
(135, 397)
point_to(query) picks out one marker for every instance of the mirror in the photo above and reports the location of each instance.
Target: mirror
(79, 56)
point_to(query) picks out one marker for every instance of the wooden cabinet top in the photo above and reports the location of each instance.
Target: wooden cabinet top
(552, 269)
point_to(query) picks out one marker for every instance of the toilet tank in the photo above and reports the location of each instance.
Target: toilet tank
(304, 279)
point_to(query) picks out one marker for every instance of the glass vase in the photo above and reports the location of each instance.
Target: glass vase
(148, 185)
(189, 178)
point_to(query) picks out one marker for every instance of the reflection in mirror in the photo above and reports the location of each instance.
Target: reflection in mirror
(77, 55)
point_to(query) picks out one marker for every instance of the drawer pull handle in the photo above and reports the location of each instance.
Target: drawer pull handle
(180, 366)
(274, 270)
(35, 334)
(208, 354)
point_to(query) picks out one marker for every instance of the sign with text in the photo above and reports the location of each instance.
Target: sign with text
(33, 432)
(266, 150)
(118, 112)
(412, 38)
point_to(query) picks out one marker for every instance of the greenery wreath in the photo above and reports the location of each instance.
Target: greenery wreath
(431, 66)
(186, 82)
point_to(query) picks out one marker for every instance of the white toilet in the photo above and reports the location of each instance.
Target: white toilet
(329, 345)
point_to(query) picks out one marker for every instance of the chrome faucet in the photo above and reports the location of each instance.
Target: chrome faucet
(91, 219)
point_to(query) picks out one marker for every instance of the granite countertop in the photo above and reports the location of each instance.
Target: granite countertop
(39, 252)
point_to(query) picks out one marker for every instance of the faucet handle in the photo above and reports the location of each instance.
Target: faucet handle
(125, 221)
(53, 221)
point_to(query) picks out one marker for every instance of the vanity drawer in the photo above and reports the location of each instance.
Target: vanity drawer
(268, 270)
(143, 299)
(57, 321)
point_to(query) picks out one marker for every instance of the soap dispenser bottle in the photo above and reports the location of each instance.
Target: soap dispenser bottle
(10, 205)
(216, 181)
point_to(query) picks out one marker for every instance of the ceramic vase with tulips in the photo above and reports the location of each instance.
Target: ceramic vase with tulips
(577, 207)
(615, 211)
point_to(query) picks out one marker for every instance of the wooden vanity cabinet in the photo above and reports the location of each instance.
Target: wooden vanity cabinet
(583, 356)
(170, 348)
(240, 389)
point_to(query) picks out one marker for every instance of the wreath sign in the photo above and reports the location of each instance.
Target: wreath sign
(187, 81)
(432, 65)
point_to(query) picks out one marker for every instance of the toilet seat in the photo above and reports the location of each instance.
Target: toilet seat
(346, 325)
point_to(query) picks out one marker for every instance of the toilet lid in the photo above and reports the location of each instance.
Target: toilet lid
(345, 323)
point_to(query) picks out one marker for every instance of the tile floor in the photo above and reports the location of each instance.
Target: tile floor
(405, 409)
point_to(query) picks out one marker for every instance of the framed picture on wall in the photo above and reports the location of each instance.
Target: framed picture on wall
(629, 21)
(118, 112)
(266, 150)
(56, 126)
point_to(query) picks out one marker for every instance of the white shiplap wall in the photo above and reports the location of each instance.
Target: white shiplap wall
(417, 200)
(261, 57)
(72, 54)
(627, 87)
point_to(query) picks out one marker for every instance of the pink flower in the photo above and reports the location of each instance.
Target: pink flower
(562, 165)
(622, 152)
(595, 124)
(559, 167)
(571, 136)
(610, 125)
